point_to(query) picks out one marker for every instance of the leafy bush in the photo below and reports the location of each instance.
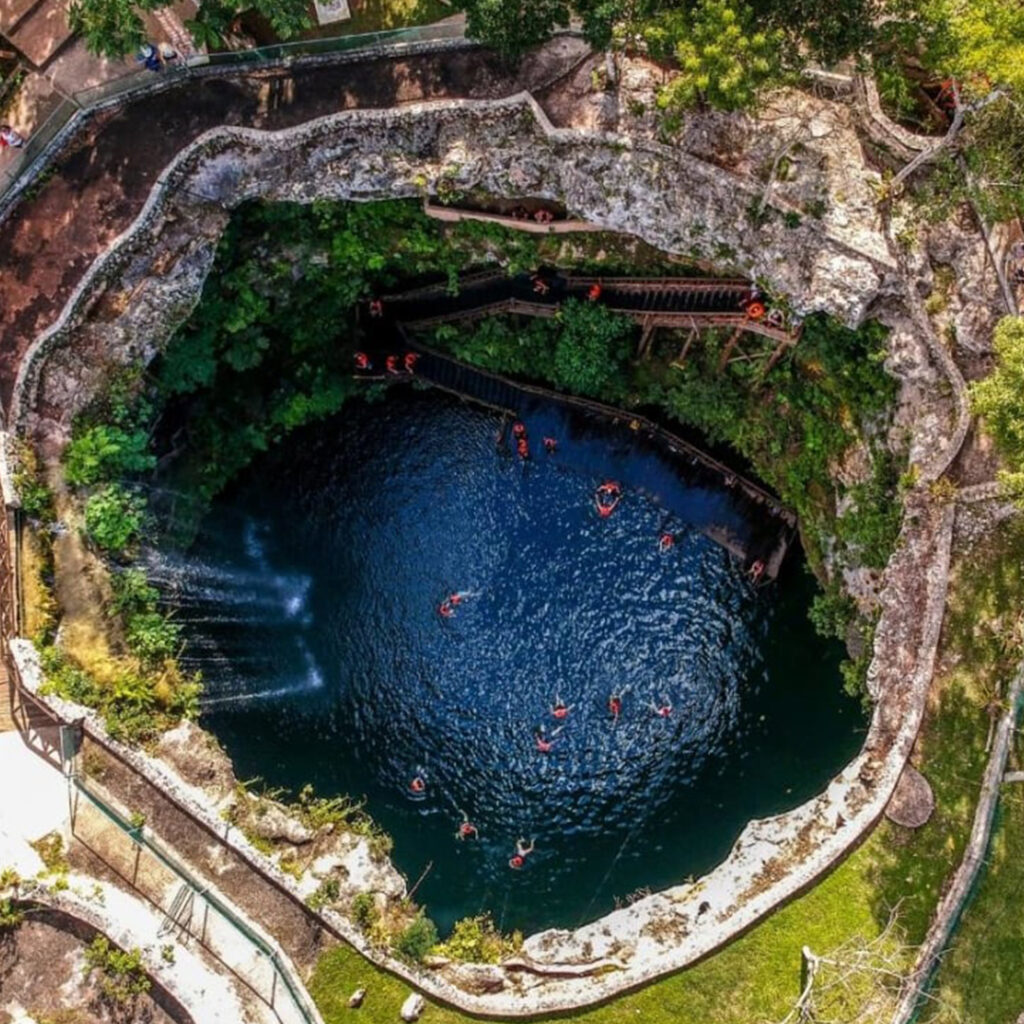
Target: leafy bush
(999, 399)
(327, 892)
(113, 518)
(132, 592)
(364, 910)
(10, 915)
(104, 453)
(832, 612)
(592, 349)
(152, 636)
(476, 939)
(122, 974)
(417, 939)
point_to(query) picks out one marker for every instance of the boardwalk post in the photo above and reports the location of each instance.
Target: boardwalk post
(729, 346)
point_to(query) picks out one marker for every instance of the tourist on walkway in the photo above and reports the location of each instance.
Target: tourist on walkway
(9, 137)
(149, 57)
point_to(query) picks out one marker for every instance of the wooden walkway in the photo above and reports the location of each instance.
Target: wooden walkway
(689, 303)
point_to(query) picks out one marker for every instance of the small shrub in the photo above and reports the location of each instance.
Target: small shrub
(152, 636)
(106, 453)
(10, 915)
(364, 911)
(113, 518)
(167, 954)
(832, 612)
(132, 592)
(475, 939)
(417, 940)
(327, 892)
(122, 974)
(51, 852)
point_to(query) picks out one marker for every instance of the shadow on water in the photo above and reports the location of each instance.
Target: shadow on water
(311, 602)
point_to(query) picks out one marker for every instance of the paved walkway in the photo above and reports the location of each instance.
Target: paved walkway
(35, 802)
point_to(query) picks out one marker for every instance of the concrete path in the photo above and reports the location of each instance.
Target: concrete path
(35, 803)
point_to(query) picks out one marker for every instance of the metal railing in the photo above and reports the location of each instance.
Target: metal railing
(188, 905)
(30, 161)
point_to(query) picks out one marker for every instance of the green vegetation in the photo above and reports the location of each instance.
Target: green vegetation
(477, 940)
(999, 399)
(417, 939)
(122, 975)
(135, 707)
(114, 28)
(724, 58)
(51, 852)
(106, 451)
(113, 518)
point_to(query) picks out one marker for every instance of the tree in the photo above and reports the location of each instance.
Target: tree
(982, 42)
(511, 27)
(723, 59)
(999, 399)
(110, 28)
(591, 349)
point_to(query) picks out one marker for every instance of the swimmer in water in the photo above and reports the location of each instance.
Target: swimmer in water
(550, 445)
(541, 740)
(445, 610)
(517, 860)
(417, 785)
(560, 709)
(662, 710)
(615, 705)
(666, 542)
(467, 830)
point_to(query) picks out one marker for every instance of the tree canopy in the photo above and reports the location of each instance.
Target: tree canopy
(512, 26)
(723, 57)
(114, 28)
(999, 399)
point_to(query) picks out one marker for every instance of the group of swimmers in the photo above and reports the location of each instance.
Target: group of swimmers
(393, 364)
(544, 743)
(523, 441)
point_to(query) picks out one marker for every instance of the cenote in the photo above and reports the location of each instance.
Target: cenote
(310, 601)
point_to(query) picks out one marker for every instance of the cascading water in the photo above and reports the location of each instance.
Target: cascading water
(311, 604)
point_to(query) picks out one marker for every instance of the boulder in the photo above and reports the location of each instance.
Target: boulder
(412, 1007)
(912, 801)
(275, 824)
(477, 979)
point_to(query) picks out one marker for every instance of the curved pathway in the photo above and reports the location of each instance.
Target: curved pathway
(100, 184)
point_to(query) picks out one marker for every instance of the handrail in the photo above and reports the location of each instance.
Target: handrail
(49, 137)
(139, 836)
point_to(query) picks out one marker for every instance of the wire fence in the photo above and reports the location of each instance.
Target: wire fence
(30, 161)
(189, 909)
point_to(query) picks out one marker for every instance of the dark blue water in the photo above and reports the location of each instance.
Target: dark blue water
(311, 603)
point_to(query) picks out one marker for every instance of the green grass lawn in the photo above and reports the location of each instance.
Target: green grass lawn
(757, 977)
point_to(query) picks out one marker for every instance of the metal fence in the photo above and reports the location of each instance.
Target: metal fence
(30, 161)
(190, 910)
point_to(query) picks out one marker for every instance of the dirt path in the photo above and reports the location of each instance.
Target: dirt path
(101, 182)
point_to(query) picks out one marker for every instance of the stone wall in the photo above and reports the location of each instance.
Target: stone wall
(675, 201)
(141, 289)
